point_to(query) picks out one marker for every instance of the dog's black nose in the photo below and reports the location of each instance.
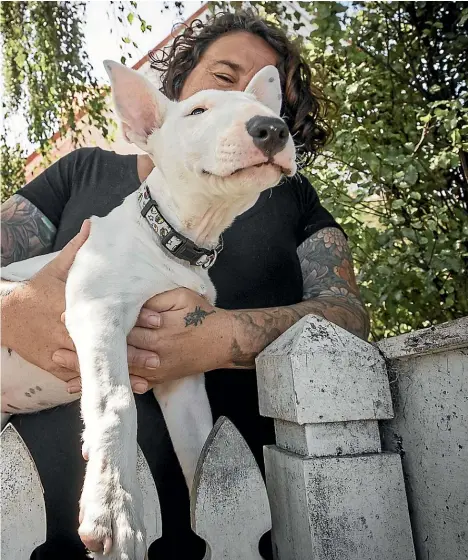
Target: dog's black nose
(269, 134)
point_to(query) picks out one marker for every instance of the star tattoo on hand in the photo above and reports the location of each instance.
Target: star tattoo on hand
(196, 317)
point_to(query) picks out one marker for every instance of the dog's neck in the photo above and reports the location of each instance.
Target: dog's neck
(200, 218)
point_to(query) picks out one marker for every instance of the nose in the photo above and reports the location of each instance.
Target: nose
(269, 134)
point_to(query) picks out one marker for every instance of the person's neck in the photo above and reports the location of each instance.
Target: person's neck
(200, 218)
(144, 166)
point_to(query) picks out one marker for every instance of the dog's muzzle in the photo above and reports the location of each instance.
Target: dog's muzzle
(269, 134)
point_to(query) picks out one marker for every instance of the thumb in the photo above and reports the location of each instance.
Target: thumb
(63, 261)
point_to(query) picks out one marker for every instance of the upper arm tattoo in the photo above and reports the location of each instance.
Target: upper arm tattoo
(328, 275)
(26, 232)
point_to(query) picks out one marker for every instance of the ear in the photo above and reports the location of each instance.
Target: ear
(266, 87)
(139, 105)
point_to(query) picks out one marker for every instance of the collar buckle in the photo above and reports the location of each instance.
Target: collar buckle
(211, 260)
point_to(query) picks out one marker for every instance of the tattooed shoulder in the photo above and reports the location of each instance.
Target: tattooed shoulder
(26, 231)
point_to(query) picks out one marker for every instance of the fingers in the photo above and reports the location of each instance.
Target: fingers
(63, 261)
(143, 339)
(170, 300)
(66, 359)
(74, 386)
(142, 358)
(139, 385)
(149, 319)
(64, 374)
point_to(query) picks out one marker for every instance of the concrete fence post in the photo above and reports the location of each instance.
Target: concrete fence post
(333, 494)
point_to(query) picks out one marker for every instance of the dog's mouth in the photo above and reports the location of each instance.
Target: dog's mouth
(263, 164)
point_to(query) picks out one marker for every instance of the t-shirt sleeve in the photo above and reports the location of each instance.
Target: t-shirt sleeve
(50, 191)
(313, 216)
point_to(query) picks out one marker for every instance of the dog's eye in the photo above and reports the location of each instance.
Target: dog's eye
(198, 111)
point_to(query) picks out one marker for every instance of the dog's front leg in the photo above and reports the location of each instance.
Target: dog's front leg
(187, 412)
(111, 516)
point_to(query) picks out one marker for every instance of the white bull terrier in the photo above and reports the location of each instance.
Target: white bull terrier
(213, 154)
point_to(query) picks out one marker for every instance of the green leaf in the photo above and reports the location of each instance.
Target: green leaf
(455, 136)
(396, 204)
(411, 175)
(130, 17)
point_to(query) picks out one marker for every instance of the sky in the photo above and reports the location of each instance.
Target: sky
(103, 36)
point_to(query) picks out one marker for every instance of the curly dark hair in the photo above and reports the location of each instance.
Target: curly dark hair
(304, 106)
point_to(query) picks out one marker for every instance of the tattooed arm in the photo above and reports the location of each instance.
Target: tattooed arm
(330, 290)
(26, 232)
(186, 334)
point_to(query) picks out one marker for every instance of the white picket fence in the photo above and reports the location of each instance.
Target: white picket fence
(331, 492)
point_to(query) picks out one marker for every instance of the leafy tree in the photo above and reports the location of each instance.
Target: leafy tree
(396, 174)
(47, 74)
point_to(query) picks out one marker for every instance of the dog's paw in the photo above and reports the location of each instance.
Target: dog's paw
(111, 516)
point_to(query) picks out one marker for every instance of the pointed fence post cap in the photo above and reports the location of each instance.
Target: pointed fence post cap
(317, 372)
(229, 502)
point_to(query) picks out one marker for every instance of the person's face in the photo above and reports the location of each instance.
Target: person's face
(229, 63)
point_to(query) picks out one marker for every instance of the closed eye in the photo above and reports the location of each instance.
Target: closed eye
(225, 78)
(198, 111)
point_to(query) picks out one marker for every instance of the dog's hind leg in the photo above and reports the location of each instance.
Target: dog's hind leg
(187, 412)
(28, 388)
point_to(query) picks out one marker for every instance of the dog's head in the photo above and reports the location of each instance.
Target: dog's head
(215, 142)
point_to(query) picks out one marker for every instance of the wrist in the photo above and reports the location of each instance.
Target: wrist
(242, 352)
(9, 310)
(225, 334)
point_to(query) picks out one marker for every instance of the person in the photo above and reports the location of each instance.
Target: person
(284, 258)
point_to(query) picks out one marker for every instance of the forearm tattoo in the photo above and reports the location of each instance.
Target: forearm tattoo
(330, 290)
(26, 232)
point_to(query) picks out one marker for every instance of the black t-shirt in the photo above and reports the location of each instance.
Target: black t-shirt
(258, 267)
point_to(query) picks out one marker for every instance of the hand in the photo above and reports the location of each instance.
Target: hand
(31, 312)
(190, 337)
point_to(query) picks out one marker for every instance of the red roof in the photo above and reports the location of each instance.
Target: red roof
(136, 66)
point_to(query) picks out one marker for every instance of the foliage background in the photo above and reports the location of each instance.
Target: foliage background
(396, 173)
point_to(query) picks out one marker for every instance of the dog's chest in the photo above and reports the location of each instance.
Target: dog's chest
(178, 274)
(123, 253)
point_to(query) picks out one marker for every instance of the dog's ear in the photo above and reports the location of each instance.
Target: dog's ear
(139, 105)
(266, 87)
